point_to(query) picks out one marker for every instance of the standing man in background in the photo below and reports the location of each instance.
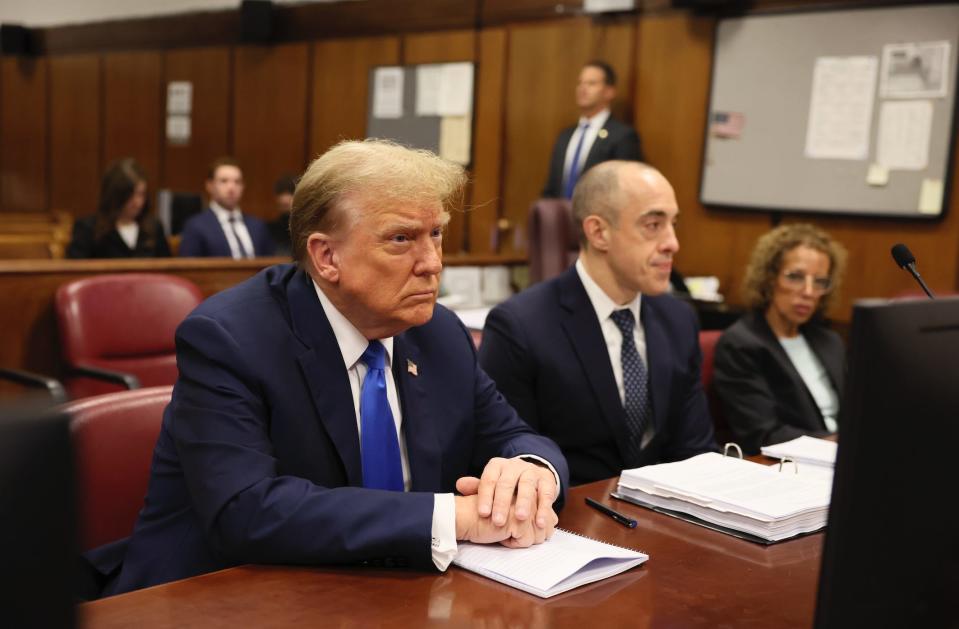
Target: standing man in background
(597, 137)
(223, 230)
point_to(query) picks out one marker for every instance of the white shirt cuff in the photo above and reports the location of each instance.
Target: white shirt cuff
(444, 531)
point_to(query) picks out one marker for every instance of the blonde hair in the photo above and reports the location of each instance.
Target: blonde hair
(765, 262)
(380, 172)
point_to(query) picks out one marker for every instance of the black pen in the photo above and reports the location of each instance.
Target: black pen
(616, 515)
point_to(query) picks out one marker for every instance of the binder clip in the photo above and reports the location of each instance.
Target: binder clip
(788, 460)
(738, 450)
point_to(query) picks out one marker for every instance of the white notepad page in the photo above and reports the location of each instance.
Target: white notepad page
(562, 563)
(805, 449)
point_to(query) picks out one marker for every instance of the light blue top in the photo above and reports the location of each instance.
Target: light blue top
(814, 375)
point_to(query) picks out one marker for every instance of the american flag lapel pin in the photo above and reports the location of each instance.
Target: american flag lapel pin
(411, 367)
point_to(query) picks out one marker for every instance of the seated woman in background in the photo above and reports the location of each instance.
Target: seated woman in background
(123, 226)
(779, 370)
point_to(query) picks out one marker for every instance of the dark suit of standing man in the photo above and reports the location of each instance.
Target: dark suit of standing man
(613, 389)
(223, 230)
(596, 138)
(325, 411)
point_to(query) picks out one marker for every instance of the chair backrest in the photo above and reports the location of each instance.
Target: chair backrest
(113, 438)
(124, 322)
(707, 345)
(553, 244)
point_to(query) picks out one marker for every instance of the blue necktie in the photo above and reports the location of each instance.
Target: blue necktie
(636, 387)
(378, 444)
(573, 175)
(239, 242)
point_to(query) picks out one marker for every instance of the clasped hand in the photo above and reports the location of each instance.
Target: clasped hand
(511, 503)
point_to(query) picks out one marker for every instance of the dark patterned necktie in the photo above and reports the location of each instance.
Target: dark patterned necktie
(636, 387)
(244, 252)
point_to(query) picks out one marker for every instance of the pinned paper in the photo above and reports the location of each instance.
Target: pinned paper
(178, 129)
(455, 139)
(840, 109)
(915, 70)
(429, 80)
(905, 128)
(878, 175)
(456, 90)
(179, 97)
(388, 92)
(930, 196)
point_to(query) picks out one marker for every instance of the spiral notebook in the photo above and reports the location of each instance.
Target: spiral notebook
(564, 562)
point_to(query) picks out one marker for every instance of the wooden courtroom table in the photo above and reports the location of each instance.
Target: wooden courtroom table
(27, 287)
(695, 577)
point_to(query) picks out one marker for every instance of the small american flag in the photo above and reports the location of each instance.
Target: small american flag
(727, 124)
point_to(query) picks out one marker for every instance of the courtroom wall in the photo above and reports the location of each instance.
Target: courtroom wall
(66, 113)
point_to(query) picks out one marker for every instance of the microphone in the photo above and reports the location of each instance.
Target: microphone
(907, 261)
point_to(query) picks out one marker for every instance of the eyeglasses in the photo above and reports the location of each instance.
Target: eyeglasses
(798, 280)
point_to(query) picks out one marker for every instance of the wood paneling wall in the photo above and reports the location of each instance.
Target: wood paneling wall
(75, 114)
(209, 70)
(340, 87)
(133, 112)
(23, 134)
(488, 139)
(270, 128)
(63, 117)
(672, 95)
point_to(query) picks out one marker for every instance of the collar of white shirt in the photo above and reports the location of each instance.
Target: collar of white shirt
(224, 215)
(351, 341)
(602, 304)
(597, 121)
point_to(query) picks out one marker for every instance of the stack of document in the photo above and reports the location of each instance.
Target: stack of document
(735, 496)
(809, 450)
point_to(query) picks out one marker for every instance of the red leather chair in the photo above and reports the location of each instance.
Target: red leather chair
(117, 330)
(113, 438)
(552, 240)
(707, 345)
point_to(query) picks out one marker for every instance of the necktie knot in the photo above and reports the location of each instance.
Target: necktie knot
(624, 320)
(374, 356)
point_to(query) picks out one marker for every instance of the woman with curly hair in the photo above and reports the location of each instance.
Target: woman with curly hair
(779, 370)
(123, 226)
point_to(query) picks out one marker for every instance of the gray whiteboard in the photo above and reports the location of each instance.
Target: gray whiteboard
(763, 68)
(409, 128)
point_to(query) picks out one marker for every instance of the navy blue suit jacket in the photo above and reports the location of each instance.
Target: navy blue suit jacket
(621, 142)
(203, 237)
(258, 459)
(545, 349)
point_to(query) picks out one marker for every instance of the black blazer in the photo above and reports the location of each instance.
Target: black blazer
(764, 398)
(545, 350)
(83, 244)
(621, 142)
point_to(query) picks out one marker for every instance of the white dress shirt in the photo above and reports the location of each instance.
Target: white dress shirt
(595, 124)
(223, 215)
(604, 307)
(129, 233)
(352, 344)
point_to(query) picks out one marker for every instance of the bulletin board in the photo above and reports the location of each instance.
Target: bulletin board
(841, 111)
(428, 106)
